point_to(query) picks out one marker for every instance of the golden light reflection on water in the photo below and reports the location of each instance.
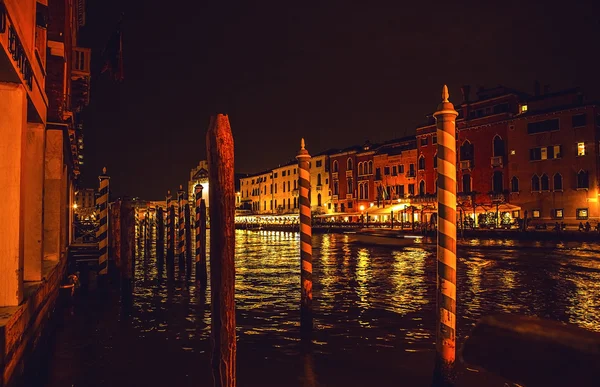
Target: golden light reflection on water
(371, 296)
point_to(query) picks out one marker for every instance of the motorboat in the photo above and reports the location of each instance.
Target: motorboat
(381, 237)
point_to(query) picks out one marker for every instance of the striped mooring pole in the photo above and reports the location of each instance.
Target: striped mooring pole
(306, 321)
(170, 231)
(188, 241)
(160, 237)
(200, 236)
(182, 202)
(137, 230)
(102, 232)
(445, 117)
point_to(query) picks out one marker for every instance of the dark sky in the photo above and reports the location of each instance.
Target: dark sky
(334, 73)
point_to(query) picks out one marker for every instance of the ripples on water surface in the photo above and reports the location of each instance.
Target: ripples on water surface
(371, 300)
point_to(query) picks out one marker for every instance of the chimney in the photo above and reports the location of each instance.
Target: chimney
(466, 91)
(536, 88)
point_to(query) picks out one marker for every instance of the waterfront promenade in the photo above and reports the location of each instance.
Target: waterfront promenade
(374, 314)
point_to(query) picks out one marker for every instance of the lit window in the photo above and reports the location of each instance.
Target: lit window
(581, 149)
(535, 213)
(513, 152)
(558, 213)
(523, 108)
(582, 213)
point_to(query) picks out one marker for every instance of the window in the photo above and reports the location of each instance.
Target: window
(582, 213)
(349, 204)
(558, 213)
(523, 109)
(350, 187)
(514, 184)
(422, 187)
(424, 141)
(400, 191)
(467, 151)
(349, 164)
(434, 140)
(581, 149)
(545, 153)
(411, 170)
(535, 183)
(360, 169)
(361, 192)
(516, 214)
(421, 162)
(386, 171)
(583, 179)
(283, 186)
(295, 171)
(466, 183)
(366, 190)
(558, 182)
(543, 126)
(497, 184)
(288, 186)
(394, 170)
(319, 200)
(411, 189)
(378, 174)
(545, 183)
(335, 188)
(318, 179)
(578, 120)
(275, 175)
(335, 166)
(401, 168)
(435, 160)
(498, 146)
(318, 164)
(370, 167)
(535, 214)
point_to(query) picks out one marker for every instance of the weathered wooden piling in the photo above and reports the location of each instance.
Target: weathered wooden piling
(219, 149)
(181, 240)
(102, 232)
(306, 282)
(446, 244)
(200, 236)
(188, 242)
(160, 237)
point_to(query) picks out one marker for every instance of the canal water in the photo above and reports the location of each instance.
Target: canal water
(375, 314)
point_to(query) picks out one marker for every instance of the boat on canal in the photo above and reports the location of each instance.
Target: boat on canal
(381, 237)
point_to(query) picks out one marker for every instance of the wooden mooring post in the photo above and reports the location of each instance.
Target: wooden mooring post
(219, 149)
(170, 235)
(127, 250)
(160, 237)
(306, 281)
(200, 236)
(188, 242)
(181, 201)
(445, 116)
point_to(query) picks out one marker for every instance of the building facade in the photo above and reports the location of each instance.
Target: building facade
(320, 193)
(199, 175)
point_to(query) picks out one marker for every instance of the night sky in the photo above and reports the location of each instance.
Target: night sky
(334, 73)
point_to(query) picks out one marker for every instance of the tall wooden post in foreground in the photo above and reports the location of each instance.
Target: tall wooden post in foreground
(102, 233)
(219, 149)
(306, 281)
(446, 244)
(200, 236)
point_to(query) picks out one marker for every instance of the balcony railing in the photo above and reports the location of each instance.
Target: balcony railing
(349, 173)
(465, 164)
(348, 196)
(334, 197)
(410, 174)
(319, 187)
(334, 175)
(496, 161)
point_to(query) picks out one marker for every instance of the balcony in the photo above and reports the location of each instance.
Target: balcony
(349, 173)
(378, 177)
(334, 175)
(81, 62)
(348, 196)
(319, 187)
(466, 164)
(334, 197)
(410, 174)
(496, 161)
(295, 193)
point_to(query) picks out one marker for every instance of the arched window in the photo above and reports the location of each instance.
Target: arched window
(545, 182)
(366, 191)
(350, 187)
(335, 166)
(370, 167)
(467, 151)
(360, 169)
(466, 183)
(497, 184)
(360, 191)
(421, 162)
(498, 146)
(535, 183)
(422, 187)
(335, 188)
(318, 179)
(349, 164)
(435, 160)
(558, 183)
(319, 200)
(514, 184)
(583, 180)
(289, 203)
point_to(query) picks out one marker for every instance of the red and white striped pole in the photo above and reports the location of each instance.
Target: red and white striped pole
(446, 244)
(306, 320)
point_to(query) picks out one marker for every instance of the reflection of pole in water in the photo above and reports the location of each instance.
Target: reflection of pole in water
(188, 243)
(181, 202)
(200, 236)
(160, 238)
(446, 244)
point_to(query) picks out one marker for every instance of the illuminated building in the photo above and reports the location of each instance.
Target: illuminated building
(320, 193)
(199, 175)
